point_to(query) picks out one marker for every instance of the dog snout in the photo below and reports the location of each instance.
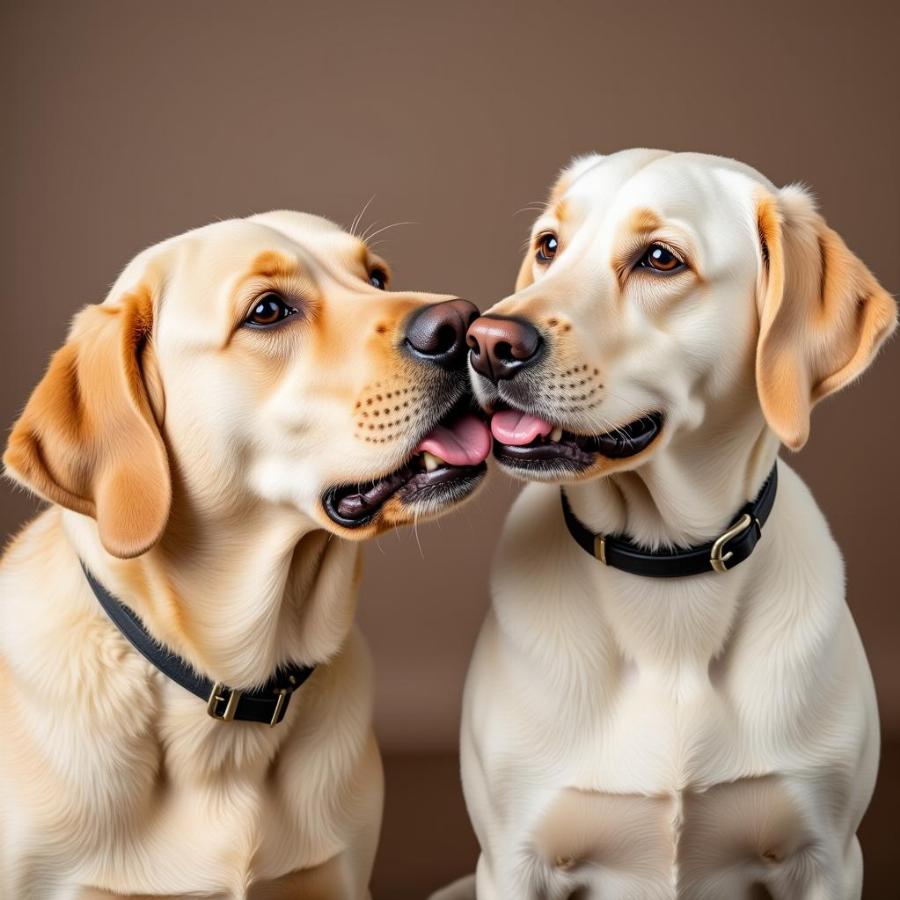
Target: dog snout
(437, 333)
(500, 347)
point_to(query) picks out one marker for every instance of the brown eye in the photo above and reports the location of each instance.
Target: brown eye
(269, 309)
(547, 246)
(661, 258)
(378, 278)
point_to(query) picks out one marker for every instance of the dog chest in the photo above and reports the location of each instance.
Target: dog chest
(732, 839)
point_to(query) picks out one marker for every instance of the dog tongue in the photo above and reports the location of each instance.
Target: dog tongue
(463, 442)
(517, 428)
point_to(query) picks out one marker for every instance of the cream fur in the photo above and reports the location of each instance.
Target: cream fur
(185, 457)
(707, 737)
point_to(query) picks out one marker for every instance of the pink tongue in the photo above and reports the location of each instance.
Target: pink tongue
(464, 442)
(518, 428)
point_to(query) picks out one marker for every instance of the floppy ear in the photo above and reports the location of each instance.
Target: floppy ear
(87, 439)
(823, 315)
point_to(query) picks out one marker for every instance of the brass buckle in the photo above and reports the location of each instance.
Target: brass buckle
(600, 548)
(279, 706)
(717, 555)
(218, 695)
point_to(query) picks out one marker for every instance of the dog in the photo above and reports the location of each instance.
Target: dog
(627, 734)
(214, 440)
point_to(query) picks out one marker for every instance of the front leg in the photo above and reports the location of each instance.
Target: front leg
(336, 879)
(820, 874)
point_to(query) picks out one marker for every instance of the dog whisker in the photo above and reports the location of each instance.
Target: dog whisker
(358, 219)
(368, 237)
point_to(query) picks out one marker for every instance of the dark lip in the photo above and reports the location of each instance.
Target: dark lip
(574, 453)
(358, 504)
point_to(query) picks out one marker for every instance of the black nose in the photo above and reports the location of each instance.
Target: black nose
(501, 347)
(437, 333)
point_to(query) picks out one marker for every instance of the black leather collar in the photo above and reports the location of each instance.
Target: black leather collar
(728, 550)
(266, 704)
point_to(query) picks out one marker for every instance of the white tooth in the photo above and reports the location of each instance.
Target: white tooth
(431, 461)
(556, 434)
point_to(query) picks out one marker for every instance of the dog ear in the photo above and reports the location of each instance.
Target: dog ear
(823, 315)
(87, 438)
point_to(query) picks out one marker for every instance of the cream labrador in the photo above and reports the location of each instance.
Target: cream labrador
(707, 735)
(214, 440)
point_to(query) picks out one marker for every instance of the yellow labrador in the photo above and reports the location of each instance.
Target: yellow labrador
(214, 439)
(669, 697)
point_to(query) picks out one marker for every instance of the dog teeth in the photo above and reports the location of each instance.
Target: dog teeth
(431, 461)
(556, 434)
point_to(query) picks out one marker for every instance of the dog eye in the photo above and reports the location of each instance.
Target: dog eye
(269, 309)
(378, 278)
(660, 258)
(547, 246)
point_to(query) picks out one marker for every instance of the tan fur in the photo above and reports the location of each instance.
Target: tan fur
(185, 457)
(560, 210)
(642, 220)
(270, 264)
(87, 438)
(823, 317)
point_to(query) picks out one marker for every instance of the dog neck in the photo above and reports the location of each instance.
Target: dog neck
(237, 594)
(687, 494)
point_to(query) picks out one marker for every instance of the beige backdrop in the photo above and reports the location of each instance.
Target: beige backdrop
(125, 122)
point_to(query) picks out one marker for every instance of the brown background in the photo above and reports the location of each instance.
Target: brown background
(127, 122)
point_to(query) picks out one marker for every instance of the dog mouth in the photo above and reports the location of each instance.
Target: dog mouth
(446, 466)
(525, 442)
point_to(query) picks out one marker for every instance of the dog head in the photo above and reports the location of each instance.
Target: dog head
(665, 291)
(255, 360)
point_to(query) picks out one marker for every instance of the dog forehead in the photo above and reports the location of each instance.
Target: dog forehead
(228, 246)
(239, 247)
(306, 236)
(593, 181)
(693, 187)
(304, 228)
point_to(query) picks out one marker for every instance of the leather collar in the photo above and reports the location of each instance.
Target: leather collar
(267, 704)
(730, 549)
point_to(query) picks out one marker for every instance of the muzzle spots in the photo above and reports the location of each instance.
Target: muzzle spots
(427, 450)
(555, 323)
(386, 411)
(575, 390)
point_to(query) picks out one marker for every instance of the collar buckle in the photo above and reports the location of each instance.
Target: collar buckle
(221, 693)
(730, 549)
(283, 697)
(266, 705)
(718, 555)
